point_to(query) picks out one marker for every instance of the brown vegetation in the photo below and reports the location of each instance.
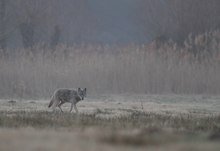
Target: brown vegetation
(154, 68)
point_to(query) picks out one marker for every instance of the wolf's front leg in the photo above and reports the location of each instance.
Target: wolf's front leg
(71, 108)
(76, 109)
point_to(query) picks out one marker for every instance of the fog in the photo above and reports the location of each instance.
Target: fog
(109, 46)
(107, 22)
(151, 69)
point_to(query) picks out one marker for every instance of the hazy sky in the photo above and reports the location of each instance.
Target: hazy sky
(115, 20)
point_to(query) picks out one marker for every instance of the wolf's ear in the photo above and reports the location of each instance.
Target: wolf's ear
(85, 89)
(79, 89)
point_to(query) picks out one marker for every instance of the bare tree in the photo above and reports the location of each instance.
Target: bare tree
(153, 18)
(2, 24)
(176, 19)
(195, 16)
(55, 38)
(32, 18)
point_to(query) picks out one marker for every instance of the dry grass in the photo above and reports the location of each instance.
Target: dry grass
(139, 129)
(153, 68)
(112, 124)
(137, 119)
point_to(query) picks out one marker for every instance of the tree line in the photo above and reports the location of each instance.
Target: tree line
(30, 22)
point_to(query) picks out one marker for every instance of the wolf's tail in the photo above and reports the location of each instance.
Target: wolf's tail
(51, 102)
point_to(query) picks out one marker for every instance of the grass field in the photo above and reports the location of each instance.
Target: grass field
(116, 122)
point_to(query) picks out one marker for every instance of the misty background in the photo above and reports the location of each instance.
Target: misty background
(109, 46)
(104, 21)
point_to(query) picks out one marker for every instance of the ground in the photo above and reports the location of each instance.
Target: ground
(113, 122)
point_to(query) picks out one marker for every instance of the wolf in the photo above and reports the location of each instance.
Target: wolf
(64, 95)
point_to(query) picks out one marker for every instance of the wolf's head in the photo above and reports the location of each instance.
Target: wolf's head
(82, 93)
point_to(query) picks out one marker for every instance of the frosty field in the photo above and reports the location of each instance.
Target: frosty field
(113, 122)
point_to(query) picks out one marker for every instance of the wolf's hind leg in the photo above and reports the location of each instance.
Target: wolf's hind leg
(55, 104)
(61, 103)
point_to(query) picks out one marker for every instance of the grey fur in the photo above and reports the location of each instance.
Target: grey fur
(64, 95)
